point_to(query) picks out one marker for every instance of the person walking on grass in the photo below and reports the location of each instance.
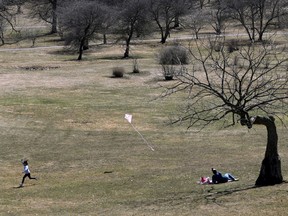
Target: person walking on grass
(26, 172)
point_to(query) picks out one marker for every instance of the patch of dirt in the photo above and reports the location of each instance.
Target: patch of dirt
(21, 81)
(38, 67)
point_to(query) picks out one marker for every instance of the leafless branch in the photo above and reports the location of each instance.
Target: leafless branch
(218, 87)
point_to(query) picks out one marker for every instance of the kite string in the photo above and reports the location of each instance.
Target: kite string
(142, 137)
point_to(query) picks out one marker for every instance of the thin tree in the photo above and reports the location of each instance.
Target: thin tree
(219, 87)
(132, 19)
(218, 15)
(197, 20)
(165, 13)
(109, 20)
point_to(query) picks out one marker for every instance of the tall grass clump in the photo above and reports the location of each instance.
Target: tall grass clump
(135, 66)
(118, 72)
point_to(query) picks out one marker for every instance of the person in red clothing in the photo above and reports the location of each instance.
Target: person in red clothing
(26, 172)
(219, 178)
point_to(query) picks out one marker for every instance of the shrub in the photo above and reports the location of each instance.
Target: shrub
(233, 45)
(118, 72)
(173, 55)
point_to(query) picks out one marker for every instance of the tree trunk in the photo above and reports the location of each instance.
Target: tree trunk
(128, 40)
(126, 53)
(54, 17)
(270, 173)
(176, 22)
(104, 38)
(2, 38)
(84, 41)
(162, 36)
(201, 3)
(260, 38)
(86, 44)
(81, 49)
(165, 35)
(80, 53)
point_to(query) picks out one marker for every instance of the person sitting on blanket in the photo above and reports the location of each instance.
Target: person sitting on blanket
(219, 178)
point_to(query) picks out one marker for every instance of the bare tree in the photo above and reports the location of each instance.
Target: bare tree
(218, 15)
(2, 30)
(79, 21)
(188, 4)
(132, 19)
(256, 15)
(7, 14)
(252, 90)
(165, 13)
(45, 10)
(108, 22)
(197, 20)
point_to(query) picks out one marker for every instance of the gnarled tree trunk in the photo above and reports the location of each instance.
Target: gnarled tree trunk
(270, 173)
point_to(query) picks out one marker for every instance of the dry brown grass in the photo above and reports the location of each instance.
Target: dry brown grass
(69, 121)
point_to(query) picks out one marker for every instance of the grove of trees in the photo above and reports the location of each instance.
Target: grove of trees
(256, 17)
(142, 17)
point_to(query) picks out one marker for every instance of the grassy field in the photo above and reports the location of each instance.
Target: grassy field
(67, 118)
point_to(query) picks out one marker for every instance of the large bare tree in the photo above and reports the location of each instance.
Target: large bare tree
(80, 21)
(256, 16)
(165, 13)
(249, 86)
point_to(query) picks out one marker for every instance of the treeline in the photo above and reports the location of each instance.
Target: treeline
(78, 21)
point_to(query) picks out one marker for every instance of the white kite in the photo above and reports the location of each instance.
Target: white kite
(128, 117)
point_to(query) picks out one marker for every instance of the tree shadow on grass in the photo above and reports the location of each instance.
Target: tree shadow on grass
(213, 196)
(195, 197)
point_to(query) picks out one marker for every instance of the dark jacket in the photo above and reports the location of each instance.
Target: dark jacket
(218, 178)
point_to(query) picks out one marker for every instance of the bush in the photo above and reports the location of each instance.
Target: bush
(118, 72)
(173, 55)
